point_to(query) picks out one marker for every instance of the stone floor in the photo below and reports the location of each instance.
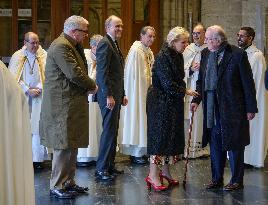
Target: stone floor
(130, 188)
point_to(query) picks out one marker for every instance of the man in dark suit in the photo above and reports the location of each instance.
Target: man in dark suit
(111, 95)
(228, 94)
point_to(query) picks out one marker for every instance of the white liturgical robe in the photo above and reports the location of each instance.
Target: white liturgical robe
(28, 69)
(16, 165)
(256, 151)
(137, 80)
(95, 119)
(192, 54)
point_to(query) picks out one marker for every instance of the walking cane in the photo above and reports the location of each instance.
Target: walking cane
(188, 147)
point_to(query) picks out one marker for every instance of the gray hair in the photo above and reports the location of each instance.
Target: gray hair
(176, 34)
(74, 22)
(95, 39)
(218, 32)
(109, 19)
(145, 29)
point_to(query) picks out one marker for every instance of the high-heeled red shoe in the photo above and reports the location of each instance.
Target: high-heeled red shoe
(155, 187)
(171, 182)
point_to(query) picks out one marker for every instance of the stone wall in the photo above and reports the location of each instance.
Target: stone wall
(232, 14)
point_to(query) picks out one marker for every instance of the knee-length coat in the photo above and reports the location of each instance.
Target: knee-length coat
(165, 104)
(64, 113)
(236, 96)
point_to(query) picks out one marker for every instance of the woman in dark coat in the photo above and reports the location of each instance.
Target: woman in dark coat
(165, 109)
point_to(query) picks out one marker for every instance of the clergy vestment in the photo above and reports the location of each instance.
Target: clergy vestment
(192, 54)
(95, 119)
(137, 80)
(256, 151)
(16, 167)
(28, 69)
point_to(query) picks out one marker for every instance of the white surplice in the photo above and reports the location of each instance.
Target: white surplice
(28, 70)
(16, 165)
(95, 119)
(133, 120)
(256, 151)
(192, 54)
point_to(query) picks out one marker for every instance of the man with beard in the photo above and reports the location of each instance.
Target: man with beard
(256, 151)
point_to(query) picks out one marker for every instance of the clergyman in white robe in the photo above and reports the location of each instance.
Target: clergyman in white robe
(28, 69)
(255, 152)
(192, 54)
(95, 120)
(133, 119)
(16, 165)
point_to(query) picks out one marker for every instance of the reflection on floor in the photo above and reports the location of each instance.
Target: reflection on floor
(130, 188)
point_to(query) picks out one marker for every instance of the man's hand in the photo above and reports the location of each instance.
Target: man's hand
(193, 107)
(195, 66)
(93, 91)
(191, 93)
(125, 101)
(250, 116)
(110, 102)
(34, 92)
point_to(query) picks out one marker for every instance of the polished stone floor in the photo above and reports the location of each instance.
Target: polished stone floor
(130, 188)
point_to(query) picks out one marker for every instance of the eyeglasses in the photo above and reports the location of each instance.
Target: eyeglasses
(33, 43)
(210, 39)
(196, 33)
(241, 35)
(84, 31)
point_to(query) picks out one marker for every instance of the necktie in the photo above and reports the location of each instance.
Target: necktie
(118, 50)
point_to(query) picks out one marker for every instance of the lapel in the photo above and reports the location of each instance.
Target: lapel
(117, 51)
(224, 62)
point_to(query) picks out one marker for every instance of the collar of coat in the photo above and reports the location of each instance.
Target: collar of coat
(252, 49)
(21, 59)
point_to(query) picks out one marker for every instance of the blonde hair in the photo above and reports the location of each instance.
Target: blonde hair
(176, 34)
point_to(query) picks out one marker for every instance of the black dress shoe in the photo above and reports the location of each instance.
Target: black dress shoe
(37, 165)
(77, 189)
(61, 194)
(214, 185)
(138, 160)
(82, 164)
(115, 172)
(104, 176)
(233, 186)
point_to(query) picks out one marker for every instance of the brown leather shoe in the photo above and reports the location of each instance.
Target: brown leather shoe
(232, 187)
(214, 185)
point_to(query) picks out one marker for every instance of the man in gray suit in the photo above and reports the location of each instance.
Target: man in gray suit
(64, 112)
(111, 95)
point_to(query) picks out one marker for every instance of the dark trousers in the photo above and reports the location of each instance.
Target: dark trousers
(218, 157)
(108, 140)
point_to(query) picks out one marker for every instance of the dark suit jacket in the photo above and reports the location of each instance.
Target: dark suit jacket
(266, 79)
(110, 71)
(236, 96)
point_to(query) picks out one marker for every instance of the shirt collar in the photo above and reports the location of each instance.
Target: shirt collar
(111, 36)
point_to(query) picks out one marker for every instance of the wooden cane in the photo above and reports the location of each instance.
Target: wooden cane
(188, 147)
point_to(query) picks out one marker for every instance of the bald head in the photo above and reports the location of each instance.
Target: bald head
(199, 34)
(114, 26)
(31, 41)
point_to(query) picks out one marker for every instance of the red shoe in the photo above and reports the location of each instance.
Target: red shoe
(155, 187)
(171, 182)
